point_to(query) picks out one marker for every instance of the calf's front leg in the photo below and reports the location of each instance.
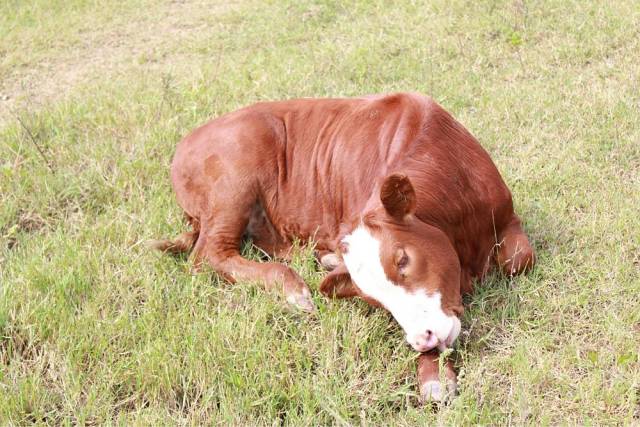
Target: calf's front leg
(430, 386)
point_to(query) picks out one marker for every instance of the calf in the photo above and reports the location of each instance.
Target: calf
(404, 206)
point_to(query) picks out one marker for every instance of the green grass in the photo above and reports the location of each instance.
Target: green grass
(95, 328)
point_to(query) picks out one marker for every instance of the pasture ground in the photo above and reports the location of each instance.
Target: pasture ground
(95, 328)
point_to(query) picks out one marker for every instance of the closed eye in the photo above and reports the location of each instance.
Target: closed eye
(403, 261)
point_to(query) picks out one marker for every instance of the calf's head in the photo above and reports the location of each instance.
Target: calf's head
(394, 260)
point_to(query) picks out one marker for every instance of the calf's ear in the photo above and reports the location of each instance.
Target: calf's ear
(398, 196)
(338, 284)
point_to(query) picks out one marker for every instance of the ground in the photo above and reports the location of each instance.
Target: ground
(96, 328)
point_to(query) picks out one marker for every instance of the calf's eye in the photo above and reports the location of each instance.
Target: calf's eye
(401, 259)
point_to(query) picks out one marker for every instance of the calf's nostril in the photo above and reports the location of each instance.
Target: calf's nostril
(428, 333)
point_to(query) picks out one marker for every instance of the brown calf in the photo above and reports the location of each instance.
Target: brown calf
(404, 205)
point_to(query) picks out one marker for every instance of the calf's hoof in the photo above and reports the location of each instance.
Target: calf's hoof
(433, 391)
(429, 375)
(302, 301)
(330, 261)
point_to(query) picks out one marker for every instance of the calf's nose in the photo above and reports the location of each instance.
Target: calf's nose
(424, 342)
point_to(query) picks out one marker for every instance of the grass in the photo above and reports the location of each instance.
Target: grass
(95, 328)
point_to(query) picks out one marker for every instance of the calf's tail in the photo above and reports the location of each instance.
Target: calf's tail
(181, 244)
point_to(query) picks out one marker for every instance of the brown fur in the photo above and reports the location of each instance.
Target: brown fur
(312, 169)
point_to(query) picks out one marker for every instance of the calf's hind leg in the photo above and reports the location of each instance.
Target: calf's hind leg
(219, 243)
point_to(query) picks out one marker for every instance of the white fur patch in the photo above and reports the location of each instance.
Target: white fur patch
(416, 312)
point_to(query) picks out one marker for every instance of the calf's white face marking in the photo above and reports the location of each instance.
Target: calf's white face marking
(416, 312)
